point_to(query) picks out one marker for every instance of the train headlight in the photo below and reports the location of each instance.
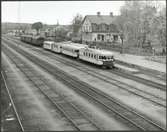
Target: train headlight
(113, 59)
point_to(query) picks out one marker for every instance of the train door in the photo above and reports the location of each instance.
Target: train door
(52, 46)
(77, 52)
(102, 37)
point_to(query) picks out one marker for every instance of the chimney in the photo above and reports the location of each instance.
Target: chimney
(111, 14)
(98, 13)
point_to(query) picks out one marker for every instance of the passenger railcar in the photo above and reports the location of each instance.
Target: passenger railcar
(57, 47)
(72, 49)
(96, 56)
(48, 45)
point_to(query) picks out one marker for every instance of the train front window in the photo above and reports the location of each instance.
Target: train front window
(104, 57)
(100, 57)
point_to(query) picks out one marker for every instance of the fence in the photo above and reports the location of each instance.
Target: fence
(118, 47)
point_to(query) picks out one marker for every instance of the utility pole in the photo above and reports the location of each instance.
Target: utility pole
(19, 6)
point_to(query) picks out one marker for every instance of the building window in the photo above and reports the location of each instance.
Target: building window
(98, 36)
(115, 37)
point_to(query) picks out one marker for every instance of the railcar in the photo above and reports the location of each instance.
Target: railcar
(37, 40)
(34, 40)
(96, 56)
(48, 45)
(72, 49)
(57, 47)
(26, 38)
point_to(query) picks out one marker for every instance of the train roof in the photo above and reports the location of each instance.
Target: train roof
(49, 42)
(35, 37)
(25, 35)
(99, 51)
(38, 37)
(74, 46)
(63, 42)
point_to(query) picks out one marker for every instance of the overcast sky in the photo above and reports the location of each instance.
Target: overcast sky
(49, 12)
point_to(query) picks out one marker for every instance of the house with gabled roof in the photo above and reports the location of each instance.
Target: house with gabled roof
(99, 28)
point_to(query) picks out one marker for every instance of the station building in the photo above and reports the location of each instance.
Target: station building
(99, 28)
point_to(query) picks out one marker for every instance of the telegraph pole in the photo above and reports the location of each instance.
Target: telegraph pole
(19, 6)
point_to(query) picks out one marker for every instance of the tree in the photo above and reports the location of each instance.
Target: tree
(142, 23)
(37, 26)
(76, 24)
(61, 33)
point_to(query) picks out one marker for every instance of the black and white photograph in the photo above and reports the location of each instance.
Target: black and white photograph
(83, 65)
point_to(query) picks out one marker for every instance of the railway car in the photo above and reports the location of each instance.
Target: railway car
(34, 40)
(48, 45)
(37, 41)
(96, 56)
(72, 49)
(57, 47)
(26, 38)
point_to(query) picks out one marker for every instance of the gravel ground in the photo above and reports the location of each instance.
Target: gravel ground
(104, 120)
(8, 119)
(148, 108)
(159, 59)
(141, 61)
(153, 111)
(38, 113)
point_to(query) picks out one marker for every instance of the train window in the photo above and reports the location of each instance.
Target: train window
(100, 57)
(95, 56)
(91, 55)
(103, 57)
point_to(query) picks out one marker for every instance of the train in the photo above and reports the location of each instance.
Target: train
(34, 40)
(82, 52)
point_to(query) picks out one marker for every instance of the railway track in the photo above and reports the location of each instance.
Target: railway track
(18, 118)
(129, 76)
(141, 93)
(108, 103)
(139, 79)
(76, 117)
(156, 74)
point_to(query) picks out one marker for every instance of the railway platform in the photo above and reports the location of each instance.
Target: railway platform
(140, 61)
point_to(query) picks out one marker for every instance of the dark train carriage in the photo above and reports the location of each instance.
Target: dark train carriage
(34, 40)
(26, 38)
(37, 40)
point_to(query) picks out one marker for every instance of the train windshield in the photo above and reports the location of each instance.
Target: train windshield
(105, 57)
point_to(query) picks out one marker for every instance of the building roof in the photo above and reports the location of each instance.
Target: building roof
(49, 42)
(107, 19)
